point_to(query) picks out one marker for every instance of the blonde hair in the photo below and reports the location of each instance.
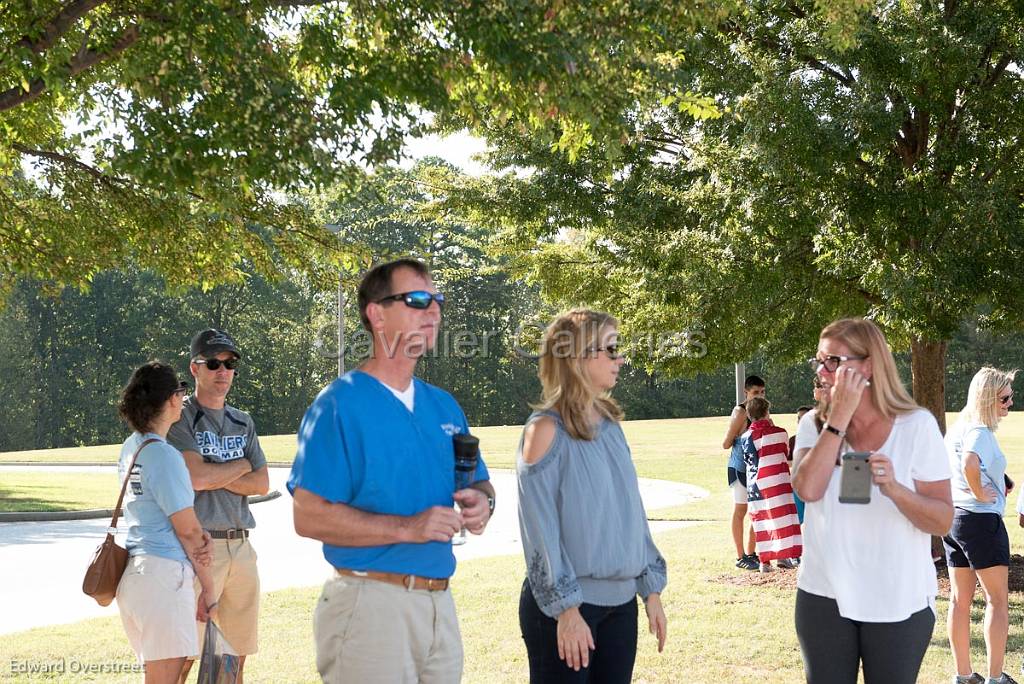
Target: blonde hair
(758, 408)
(568, 341)
(863, 338)
(983, 397)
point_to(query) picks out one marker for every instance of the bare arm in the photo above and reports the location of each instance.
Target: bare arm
(339, 524)
(537, 439)
(190, 534)
(206, 476)
(737, 422)
(255, 483)
(972, 473)
(812, 468)
(929, 505)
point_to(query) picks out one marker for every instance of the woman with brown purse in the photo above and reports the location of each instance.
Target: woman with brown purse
(167, 547)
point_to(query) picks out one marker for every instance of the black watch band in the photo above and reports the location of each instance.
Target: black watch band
(835, 431)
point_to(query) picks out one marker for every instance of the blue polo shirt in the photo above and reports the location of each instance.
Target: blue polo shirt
(360, 446)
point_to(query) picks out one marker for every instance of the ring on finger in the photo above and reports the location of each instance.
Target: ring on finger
(879, 471)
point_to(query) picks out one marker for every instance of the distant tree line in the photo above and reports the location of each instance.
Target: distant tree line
(64, 358)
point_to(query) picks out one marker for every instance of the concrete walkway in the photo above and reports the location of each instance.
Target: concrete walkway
(43, 562)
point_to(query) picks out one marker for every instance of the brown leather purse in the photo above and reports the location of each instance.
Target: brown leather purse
(108, 563)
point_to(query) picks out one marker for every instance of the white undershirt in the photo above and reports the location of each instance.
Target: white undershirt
(405, 396)
(869, 557)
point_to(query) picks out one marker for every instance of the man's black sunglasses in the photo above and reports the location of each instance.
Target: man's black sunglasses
(215, 364)
(417, 299)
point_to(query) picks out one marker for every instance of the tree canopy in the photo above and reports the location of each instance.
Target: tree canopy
(173, 134)
(881, 179)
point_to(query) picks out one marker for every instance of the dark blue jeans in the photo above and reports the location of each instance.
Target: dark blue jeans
(614, 630)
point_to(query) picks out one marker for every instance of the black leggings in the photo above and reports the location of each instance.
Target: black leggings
(833, 647)
(614, 631)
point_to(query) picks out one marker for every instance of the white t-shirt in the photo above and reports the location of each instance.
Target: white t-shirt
(869, 557)
(406, 396)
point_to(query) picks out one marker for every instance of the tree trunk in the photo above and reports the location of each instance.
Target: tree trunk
(928, 366)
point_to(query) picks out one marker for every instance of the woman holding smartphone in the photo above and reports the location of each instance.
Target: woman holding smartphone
(588, 548)
(978, 547)
(866, 590)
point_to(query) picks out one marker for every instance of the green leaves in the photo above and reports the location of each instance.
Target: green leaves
(881, 177)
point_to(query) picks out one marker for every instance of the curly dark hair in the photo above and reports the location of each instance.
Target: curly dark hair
(143, 398)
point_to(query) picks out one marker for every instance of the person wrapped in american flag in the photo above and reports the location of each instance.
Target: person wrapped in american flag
(769, 490)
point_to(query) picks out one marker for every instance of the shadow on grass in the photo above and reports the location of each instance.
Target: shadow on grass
(32, 498)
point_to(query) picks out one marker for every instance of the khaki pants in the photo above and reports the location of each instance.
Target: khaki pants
(236, 586)
(368, 631)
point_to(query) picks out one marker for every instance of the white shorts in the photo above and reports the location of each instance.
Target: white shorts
(739, 492)
(158, 608)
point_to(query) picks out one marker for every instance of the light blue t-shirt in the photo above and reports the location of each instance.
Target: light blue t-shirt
(359, 445)
(158, 488)
(964, 438)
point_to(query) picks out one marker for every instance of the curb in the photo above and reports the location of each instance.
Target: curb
(92, 513)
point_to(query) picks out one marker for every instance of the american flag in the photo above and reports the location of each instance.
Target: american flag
(770, 492)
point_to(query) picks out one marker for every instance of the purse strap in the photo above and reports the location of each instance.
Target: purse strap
(124, 486)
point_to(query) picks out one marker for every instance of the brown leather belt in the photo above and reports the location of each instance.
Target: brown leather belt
(229, 534)
(409, 582)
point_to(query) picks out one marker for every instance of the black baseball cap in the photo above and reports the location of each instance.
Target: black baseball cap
(210, 342)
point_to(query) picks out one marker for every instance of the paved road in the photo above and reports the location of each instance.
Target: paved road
(43, 563)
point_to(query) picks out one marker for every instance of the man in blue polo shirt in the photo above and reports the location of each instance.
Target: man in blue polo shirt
(374, 480)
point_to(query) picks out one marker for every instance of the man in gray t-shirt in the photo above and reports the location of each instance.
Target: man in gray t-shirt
(226, 464)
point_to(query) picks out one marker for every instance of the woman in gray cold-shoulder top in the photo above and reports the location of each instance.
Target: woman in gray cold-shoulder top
(588, 548)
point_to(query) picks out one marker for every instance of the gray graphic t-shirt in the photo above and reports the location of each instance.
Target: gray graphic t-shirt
(219, 436)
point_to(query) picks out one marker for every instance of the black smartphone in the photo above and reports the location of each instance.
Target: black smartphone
(855, 478)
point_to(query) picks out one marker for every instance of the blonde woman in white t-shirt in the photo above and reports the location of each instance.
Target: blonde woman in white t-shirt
(866, 589)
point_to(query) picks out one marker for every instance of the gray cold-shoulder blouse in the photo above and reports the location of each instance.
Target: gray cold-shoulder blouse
(583, 525)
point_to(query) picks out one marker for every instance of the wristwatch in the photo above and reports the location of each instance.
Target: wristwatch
(835, 431)
(490, 506)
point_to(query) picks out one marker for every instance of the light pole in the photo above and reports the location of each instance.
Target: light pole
(741, 372)
(336, 229)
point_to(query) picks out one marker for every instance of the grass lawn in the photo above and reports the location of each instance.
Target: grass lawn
(717, 631)
(50, 491)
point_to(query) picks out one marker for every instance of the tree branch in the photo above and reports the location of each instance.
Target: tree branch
(60, 24)
(949, 9)
(819, 66)
(997, 70)
(83, 61)
(1002, 161)
(69, 161)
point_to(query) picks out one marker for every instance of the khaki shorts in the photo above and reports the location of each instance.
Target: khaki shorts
(157, 603)
(236, 588)
(373, 632)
